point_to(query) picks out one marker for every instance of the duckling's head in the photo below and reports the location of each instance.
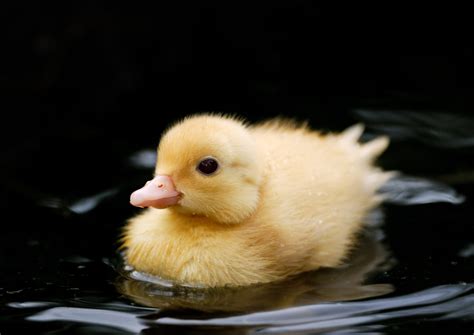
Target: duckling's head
(207, 166)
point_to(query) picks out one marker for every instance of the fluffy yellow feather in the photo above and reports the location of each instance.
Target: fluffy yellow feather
(284, 200)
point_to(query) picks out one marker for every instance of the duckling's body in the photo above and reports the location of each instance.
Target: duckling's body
(312, 194)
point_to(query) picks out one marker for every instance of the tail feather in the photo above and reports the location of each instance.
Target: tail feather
(353, 133)
(374, 148)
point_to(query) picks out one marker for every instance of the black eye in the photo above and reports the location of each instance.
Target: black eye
(208, 166)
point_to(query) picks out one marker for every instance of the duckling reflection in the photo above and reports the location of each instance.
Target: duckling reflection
(346, 282)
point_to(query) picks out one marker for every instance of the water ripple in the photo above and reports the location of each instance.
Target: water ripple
(408, 190)
(437, 303)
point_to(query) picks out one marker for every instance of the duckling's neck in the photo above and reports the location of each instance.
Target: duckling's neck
(181, 216)
(226, 214)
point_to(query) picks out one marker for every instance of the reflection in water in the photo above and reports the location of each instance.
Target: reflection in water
(81, 206)
(442, 299)
(467, 251)
(99, 317)
(85, 205)
(344, 283)
(407, 190)
(144, 159)
(435, 129)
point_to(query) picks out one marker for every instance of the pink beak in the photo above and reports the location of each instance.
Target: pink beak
(158, 193)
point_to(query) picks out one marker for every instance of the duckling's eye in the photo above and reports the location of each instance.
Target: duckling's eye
(208, 166)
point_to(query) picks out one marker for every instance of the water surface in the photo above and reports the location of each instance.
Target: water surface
(411, 272)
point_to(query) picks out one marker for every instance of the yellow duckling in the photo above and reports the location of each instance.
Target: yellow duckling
(234, 204)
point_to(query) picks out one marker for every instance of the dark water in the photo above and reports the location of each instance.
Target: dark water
(413, 270)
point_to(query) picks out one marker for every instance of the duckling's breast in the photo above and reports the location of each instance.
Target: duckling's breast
(195, 251)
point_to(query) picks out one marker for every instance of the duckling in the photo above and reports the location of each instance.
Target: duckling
(233, 204)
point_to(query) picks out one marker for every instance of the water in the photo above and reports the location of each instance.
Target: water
(412, 271)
